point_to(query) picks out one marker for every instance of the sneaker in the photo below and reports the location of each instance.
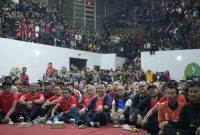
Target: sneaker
(97, 124)
(49, 122)
(37, 120)
(80, 122)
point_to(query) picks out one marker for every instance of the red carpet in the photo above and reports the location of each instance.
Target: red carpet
(45, 130)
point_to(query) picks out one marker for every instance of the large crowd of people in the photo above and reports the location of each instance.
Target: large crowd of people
(95, 98)
(169, 25)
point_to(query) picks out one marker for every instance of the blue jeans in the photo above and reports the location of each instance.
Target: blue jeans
(102, 117)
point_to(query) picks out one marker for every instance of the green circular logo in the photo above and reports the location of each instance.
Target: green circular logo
(192, 69)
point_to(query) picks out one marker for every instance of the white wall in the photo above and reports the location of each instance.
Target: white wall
(108, 61)
(119, 61)
(36, 57)
(167, 60)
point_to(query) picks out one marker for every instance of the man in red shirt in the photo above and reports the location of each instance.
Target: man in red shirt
(98, 110)
(23, 75)
(76, 93)
(31, 103)
(52, 101)
(91, 94)
(8, 103)
(50, 71)
(67, 102)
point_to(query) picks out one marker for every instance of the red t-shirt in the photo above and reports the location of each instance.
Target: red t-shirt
(99, 102)
(112, 94)
(180, 98)
(50, 70)
(7, 100)
(66, 105)
(24, 77)
(29, 97)
(53, 98)
(20, 94)
(153, 103)
(86, 100)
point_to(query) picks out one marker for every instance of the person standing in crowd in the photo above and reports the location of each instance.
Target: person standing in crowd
(23, 76)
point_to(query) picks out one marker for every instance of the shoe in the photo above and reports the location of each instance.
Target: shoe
(97, 124)
(37, 120)
(82, 126)
(80, 122)
(49, 122)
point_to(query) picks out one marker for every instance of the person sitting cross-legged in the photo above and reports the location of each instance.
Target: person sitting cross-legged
(120, 107)
(31, 103)
(98, 111)
(52, 101)
(68, 104)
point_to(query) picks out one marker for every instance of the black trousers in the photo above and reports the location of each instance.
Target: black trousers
(14, 116)
(171, 130)
(30, 114)
(152, 125)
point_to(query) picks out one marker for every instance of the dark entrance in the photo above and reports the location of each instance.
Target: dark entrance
(79, 63)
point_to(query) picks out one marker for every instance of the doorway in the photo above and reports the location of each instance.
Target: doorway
(79, 63)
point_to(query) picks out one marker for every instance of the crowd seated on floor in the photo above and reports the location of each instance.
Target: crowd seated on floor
(95, 98)
(172, 25)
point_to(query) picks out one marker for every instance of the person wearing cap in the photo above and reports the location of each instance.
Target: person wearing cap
(8, 103)
(31, 103)
(149, 102)
(23, 76)
(47, 92)
(98, 111)
(67, 103)
(52, 101)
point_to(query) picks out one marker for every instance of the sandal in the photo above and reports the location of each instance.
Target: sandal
(82, 126)
(117, 126)
(134, 130)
